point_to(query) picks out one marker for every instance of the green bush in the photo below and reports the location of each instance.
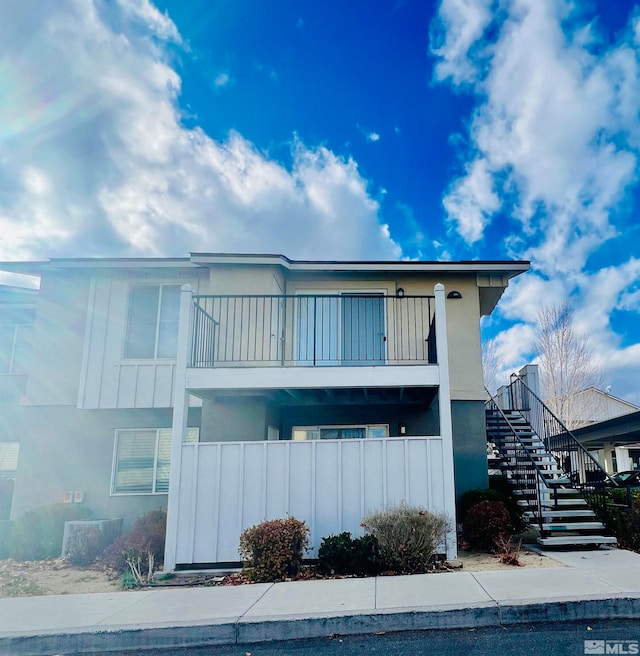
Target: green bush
(140, 551)
(37, 535)
(341, 554)
(620, 519)
(628, 534)
(408, 536)
(273, 550)
(486, 524)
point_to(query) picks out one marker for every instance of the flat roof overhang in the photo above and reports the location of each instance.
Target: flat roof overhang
(507, 268)
(623, 430)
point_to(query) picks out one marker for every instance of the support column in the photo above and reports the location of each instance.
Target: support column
(179, 425)
(446, 432)
(623, 460)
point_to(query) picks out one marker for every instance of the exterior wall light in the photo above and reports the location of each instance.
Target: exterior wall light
(400, 292)
(454, 294)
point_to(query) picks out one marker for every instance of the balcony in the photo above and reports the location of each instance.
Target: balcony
(352, 330)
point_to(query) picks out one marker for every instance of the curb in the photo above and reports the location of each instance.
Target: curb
(288, 627)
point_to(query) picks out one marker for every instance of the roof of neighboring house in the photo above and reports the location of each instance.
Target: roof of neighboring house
(591, 405)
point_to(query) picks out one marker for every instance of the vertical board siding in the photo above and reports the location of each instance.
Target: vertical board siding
(109, 380)
(332, 484)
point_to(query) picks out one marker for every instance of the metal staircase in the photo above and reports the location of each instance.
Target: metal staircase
(553, 476)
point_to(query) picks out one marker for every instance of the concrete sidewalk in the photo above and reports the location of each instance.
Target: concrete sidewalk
(586, 585)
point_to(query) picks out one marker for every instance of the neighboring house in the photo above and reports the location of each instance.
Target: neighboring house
(615, 442)
(323, 390)
(17, 318)
(589, 406)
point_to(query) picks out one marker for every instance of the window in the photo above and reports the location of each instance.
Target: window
(339, 432)
(142, 460)
(152, 329)
(15, 338)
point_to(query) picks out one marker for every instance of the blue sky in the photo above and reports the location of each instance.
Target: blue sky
(460, 129)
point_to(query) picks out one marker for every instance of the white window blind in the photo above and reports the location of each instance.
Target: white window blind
(9, 457)
(142, 460)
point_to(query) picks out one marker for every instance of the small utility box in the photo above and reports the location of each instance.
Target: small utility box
(107, 529)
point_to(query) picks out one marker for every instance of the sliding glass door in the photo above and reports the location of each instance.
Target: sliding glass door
(341, 329)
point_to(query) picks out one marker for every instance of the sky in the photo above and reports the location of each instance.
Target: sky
(407, 129)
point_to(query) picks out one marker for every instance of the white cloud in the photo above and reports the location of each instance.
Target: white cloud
(98, 163)
(462, 24)
(472, 201)
(555, 135)
(373, 136)
(553, 149)
(222, 79)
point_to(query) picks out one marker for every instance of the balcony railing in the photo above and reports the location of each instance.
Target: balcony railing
(313, 330)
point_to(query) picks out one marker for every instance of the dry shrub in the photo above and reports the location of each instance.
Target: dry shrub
(485, 524)
(273, 550)
(141, 550)
(408, 536)
(37, 535)
(507, 552)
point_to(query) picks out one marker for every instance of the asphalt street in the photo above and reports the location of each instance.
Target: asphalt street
(547, 639)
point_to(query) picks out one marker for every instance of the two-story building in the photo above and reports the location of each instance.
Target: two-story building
(323, 390)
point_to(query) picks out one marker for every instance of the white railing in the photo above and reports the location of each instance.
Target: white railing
(331, 484)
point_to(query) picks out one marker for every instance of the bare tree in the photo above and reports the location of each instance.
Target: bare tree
(566, 360)
(490, 364)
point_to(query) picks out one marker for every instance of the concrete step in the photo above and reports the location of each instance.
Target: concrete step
(564, 492)
(560, 480)
(567, 540)
(573, 526)
(552, 514)
(550, 503)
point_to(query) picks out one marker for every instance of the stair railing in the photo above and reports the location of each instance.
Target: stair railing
(523, 468)
(582, 469)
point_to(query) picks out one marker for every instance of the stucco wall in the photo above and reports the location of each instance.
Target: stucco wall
(246, 280)
(469, 445)
(419, 420)
(234, 420)
(58, 339)
(463, 331)
(64, 449)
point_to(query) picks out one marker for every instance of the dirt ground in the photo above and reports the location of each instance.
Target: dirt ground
(56, 577)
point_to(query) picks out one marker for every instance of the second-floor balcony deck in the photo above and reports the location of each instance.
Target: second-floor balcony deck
(323, 330)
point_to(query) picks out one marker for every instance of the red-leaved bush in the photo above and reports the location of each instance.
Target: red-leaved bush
(143, 546)
(486, 524)
(273, 550)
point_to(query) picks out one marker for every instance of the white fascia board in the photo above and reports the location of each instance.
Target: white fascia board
(512, 267)
(38, 268)
(246, 378)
